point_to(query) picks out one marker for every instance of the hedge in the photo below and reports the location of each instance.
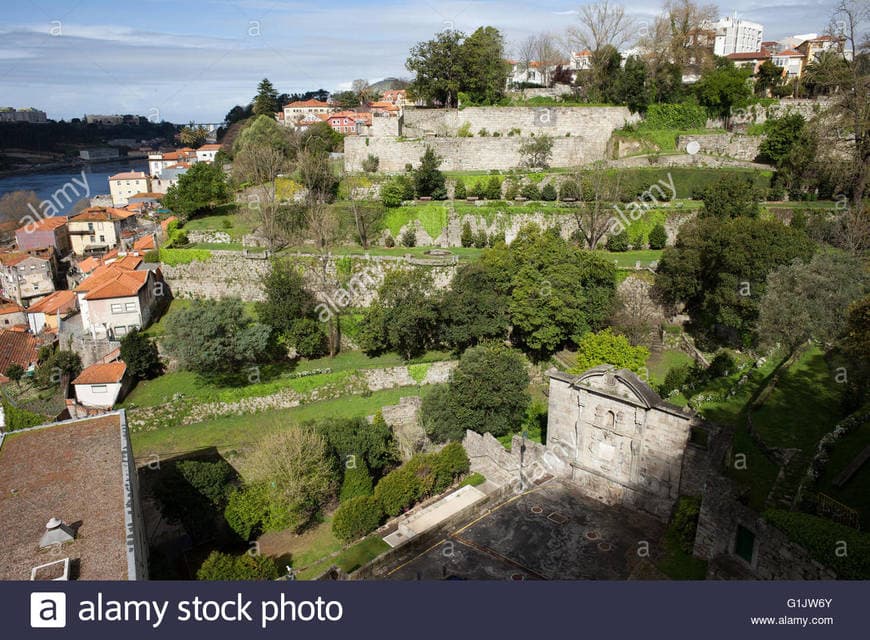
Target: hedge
(675, 116)
(222, 566)
(356, 517)
(826, 541)
(398, 490)
(357, 482)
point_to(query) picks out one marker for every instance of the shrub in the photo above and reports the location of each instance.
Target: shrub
(479, 190)
(398, 490)
(408, 237)
(371, 164)
(618, 242)
(675, 116)
(675, 378)
(223, 566)
(493, 188)
(548, 193)
(480, 239)
(512, 190)
(467, 235)
(685, 522)
(356, 517)
(247, 511)
(357, 482)
(210, 479)
(464, 130)
(448, 464)
(474, 480)
(308, 338)
(721, 365)
(570, 190)
(483, 133)
(530, 192)
(389, 242)
(392, 193)
(459, 192)
(658, 237)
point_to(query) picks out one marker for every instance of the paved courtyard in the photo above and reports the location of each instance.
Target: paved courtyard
(550, 533)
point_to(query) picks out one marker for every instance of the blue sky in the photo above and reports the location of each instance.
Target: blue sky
(183, 60)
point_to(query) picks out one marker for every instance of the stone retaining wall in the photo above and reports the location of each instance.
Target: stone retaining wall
(731, 145)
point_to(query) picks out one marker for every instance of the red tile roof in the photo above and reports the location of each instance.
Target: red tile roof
(7, 306)
(307, 103)
(58, 301)
(129, 175)
(109, 373)
(46, 224)
(749, 55)
(112, 281)
(210, 147)
(145, 243)
(101, 214)
(790, 53)
(11, 259)
(17, 347)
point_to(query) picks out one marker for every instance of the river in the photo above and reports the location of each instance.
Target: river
(46, 183)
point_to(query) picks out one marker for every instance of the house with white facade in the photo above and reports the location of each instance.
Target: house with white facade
(101, 385)
(116, 299)
(124, 185)
(207, 152)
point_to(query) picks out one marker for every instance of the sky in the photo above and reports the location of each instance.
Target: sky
(192, 60)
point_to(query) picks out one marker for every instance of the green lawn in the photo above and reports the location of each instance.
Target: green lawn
(238, 226)
(627, 259)
(229, 433)
(273, 378)
(660, 362)
(348, 560)
(804, 406)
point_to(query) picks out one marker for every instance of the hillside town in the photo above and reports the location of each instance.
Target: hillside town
(539, 304)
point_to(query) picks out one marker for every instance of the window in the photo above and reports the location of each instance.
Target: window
(90, 226)
(117, 308)
(99, 388)
(744, 543)
(102, 238)
(130, 306)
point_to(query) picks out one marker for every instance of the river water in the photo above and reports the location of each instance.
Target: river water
(46, 183)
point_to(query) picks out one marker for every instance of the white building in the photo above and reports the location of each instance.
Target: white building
(100, 386)
(735, 35)
(27, 114)
(207, 152)
(122, 186)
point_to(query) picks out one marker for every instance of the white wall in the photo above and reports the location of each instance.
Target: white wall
(94, 395)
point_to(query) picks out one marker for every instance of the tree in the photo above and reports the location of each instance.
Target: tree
(767, 78)
(200, 188)
(355, 442)
(606, 347)
(658, 237)
(362, 89)
(731, 196)
(140, 354)
(15, 372)
(266, 101)
(192, 135)
(371, 164)
(459, 192)
(487, 392)
(216, 337)
(594, 216)
(223, 566)
(722, 89)
(557, 292)
(322, 137)
(403, 318)
(601, 24)
(536, 152)
(357, 482)
(780, 137)
(635, 313)
(289, 309)
(800, 303)
(356, 518)
(428, 180)
(673, 40)
(630, 86)
(398, 490)
(59, 367)
(439, 67)
(299, 474)
(262, 152)
(473, 309)
(486, 71)
(826, 74)
(20, 207)
(368, 215)
(718, 269)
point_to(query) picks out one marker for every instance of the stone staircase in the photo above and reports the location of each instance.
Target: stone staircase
(783, 495)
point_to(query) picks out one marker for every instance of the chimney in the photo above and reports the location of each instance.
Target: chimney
(56, 533)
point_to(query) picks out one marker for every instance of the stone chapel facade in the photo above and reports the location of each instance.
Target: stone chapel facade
(619, 441)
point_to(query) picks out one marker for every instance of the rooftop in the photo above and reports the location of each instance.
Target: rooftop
(19, 348)
(129, 175)
(116, 280)
(108, 373)
(74, 471)
(307, 103)
(61, 301)
(46, 224)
